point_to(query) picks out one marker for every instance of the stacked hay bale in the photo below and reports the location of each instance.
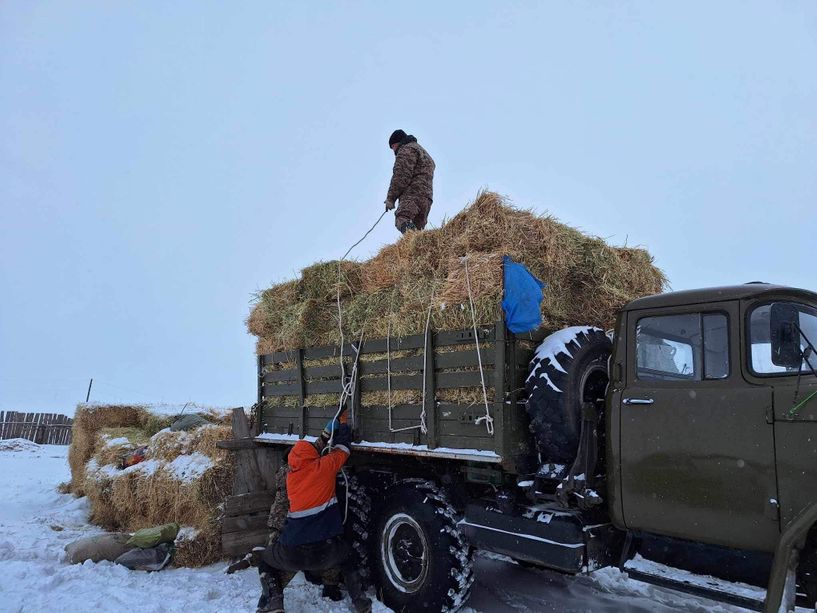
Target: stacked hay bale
(588, 281)
(183, 478)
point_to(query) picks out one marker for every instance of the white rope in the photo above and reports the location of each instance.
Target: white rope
(364, 236)
(489, 421)
(344, 392)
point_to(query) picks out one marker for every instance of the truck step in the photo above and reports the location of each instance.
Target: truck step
(738, 594)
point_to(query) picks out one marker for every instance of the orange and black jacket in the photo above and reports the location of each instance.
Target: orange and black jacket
(314, 514)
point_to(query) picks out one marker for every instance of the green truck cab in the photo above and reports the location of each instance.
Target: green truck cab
(687, 436)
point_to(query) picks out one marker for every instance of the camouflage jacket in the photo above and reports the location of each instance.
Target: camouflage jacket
(413, 173)
(280, 505)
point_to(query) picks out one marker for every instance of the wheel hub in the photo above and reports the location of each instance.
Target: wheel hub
(404, 552)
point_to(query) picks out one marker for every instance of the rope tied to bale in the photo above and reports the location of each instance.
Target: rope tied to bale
(489, 421)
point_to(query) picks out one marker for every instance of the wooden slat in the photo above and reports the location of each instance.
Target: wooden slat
(400, 411)
(429, 382)
(464, 359)
(240, 543)
(246, 443)
(397, 365)
(251, 502)
(274, 376)
(247, 475)
(449, 380)
(281, 389)
(42, 428)
(414, 341)
(500, 386)
(299, 366)
(462, 337)
(323, 387)
(323, 372)
(277, 357)
(398, 382)
(244, 523)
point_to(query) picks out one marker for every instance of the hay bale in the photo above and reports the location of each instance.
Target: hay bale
(321, 281)
(588, 280)
(89, 419)
(184, 478)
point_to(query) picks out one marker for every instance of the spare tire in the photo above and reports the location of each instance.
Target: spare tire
(569, 368)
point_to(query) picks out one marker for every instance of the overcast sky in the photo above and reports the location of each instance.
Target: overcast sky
(161, 162)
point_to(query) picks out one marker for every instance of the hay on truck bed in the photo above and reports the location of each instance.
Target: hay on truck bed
(588, 281)
(184, 477)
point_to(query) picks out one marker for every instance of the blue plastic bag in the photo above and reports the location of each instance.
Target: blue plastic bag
(523, 295)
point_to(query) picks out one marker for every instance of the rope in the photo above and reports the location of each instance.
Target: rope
(489, 421)
(364, 236)
(346, 393)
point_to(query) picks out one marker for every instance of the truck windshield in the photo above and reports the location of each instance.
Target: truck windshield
(760, 333)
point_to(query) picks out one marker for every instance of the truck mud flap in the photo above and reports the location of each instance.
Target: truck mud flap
(554, 540)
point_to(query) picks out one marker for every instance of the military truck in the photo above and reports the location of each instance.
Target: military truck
(685, 438)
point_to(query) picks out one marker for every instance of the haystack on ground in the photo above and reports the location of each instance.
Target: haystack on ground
(588, 280)
(183, 478)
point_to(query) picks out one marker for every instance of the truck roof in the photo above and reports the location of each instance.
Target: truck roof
(718, 294)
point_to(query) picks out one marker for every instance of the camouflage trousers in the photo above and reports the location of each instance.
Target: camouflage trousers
(414, 211)
(279, 564)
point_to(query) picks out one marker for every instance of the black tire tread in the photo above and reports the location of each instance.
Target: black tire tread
(453, 591)
(555, 416)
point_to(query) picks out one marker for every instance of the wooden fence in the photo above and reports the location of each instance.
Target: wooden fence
(42, 428)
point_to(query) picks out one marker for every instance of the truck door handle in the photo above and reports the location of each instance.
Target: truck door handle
(638, 401)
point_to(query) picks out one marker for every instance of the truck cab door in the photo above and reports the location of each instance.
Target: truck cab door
(696, 440)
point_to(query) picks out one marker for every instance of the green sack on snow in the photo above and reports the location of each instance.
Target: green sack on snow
(188, 422)
(150, 537)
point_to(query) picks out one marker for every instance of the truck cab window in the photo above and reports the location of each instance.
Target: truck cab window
(761, 345)
(716, 346)
(688, 347)
(668, 348)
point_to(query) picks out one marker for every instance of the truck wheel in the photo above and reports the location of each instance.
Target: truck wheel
(357, 524)
(570, 368)
(420, 559)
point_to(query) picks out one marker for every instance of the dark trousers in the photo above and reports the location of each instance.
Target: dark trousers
(281, 563)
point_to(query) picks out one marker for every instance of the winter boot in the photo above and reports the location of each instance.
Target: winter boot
(406, 227)
(272, 596)
(355, 587)
(332, 592)
(313, 577)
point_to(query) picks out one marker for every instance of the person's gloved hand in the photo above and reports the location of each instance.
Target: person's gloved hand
(331, 426)
(343, 436)
(389, 205)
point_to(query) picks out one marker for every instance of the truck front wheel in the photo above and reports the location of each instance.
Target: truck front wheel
(419, 557)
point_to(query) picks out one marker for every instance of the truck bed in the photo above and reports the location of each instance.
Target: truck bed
(298, 393)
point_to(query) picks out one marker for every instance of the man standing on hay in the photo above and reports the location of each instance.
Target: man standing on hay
(312, 538)
(411, 182)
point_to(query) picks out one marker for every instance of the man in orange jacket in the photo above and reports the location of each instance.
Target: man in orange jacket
(312, 538)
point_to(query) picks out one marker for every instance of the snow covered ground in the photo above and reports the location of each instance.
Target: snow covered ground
(36, 523)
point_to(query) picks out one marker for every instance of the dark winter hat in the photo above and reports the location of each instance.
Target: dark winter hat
(396, 137)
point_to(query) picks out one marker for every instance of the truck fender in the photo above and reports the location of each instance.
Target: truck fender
(780, 593)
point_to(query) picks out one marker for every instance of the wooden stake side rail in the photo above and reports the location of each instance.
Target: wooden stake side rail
(41, 428)
(288, 380)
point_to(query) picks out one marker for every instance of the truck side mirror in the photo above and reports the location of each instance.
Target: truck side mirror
(785, 335)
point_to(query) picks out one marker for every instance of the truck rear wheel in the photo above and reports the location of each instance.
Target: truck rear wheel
(357, 516)
(420, 559)
(569, 369)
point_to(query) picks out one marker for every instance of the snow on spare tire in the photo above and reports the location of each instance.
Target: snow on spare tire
(569, 368)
